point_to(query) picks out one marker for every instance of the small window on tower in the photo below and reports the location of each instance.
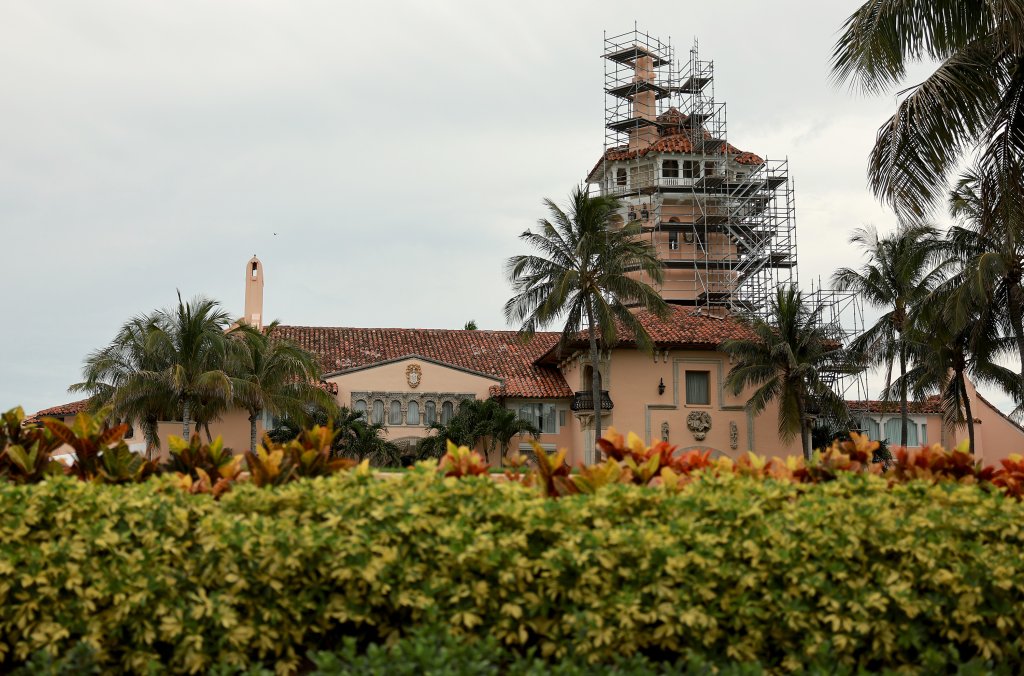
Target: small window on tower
(673, 240)
(670, 169)
(254, 270)
(620, 176)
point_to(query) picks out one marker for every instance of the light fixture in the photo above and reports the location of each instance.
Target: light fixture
(661, 386)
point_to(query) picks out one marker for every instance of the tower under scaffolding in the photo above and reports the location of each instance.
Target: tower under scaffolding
(722, 220)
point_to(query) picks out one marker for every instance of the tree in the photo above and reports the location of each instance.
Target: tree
(273, 375)
(477, 421)
(974, 96)
(189, 341)
(988, 243)
(586, 273)
(354, 436)
(470, 325)
(121, 376)
(946, 354)
(790, 358)
(897, 277)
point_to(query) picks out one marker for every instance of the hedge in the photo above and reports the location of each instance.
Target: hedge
(727, 568)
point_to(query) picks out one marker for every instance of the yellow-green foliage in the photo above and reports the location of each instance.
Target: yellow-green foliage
(731, 567)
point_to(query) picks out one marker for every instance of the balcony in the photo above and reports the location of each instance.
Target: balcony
(584, 401)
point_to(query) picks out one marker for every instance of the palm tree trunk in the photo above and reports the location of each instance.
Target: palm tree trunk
(595, 388)
(967, 412)
(186, 410)
(252, 431)
(150, 432)
(1018, 330)
(904, 414)
(805, 437)
(206, 430)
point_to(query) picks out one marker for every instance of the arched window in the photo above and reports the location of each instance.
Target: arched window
(447, 411)
(871, 428)
(430, 413)
(412, 416)
(588, 378)
(670, 168)
(395, 413)
(620, 176)
(378, 412)
(360, 407)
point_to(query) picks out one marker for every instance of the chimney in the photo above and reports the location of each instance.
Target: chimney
(254, 293)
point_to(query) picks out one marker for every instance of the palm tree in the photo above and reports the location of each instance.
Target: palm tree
(988, 242)
(118, 376)
(974, 96)
(790, 358)
(189, 339)
(897, 278)
(269, 374)
(477, 421)
(946, 354)
(585, 273)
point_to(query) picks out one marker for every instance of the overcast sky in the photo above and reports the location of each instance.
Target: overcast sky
(396, 150)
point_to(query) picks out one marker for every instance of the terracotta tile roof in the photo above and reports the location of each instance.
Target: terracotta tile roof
(677, 138)
(930, 406)
(72, 408)
(681, 328)
(497, 353)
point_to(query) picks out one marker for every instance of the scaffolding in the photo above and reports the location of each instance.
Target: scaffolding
(722, 220)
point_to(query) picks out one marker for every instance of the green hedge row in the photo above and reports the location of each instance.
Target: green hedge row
(727, 569)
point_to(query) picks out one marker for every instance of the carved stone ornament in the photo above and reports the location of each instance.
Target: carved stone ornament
(664, 431)
(698, 422)
(413, 375)
(734, 435)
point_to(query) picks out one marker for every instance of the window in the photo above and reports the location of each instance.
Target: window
(378, 412)
(710, 168)
(924, 434)
(673, 240)
(691, 169)
(871, 428)
(412, 417)
(893, 431)
(698, 388)
(670, 169)
(360, 407)
(395, 413)
(541, 415)
(447, 411)
(561, 418)
(430, 413)
(620, 176)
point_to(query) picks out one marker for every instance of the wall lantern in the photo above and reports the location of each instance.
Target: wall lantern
(661, 386)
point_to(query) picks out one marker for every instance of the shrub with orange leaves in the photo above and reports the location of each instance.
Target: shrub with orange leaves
(1010, 477)
(460, 461)
(935, 463)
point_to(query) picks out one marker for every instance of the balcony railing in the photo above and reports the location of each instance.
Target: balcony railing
(584, 401)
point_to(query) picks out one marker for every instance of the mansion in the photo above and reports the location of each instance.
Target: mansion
(722, 222)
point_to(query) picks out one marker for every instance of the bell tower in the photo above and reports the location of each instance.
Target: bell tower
(254, 293)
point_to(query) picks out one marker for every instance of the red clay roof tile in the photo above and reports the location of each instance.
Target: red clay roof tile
(498, 353)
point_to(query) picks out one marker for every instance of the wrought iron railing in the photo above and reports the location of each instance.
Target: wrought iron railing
(584, 401)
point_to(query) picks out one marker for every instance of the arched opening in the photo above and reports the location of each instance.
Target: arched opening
(430, 413)
(395, 413)
(588, 378)
(620, 176)
(670, 169)
(447, 411)
(412, 417)
(378, 412)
